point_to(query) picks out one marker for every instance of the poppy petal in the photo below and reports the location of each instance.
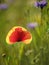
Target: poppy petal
(27, 38)
(18, 34)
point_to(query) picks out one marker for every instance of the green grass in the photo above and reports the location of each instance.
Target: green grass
(18, 54)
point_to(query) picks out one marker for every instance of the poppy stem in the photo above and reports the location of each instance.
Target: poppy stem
(21, 51)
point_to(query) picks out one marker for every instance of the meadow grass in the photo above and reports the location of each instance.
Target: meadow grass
(35, 53)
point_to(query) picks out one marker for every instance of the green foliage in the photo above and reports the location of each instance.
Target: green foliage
(35, 53)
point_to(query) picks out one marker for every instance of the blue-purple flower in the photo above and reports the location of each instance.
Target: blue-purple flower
(41, 4)
(32, 25)
(3, 6)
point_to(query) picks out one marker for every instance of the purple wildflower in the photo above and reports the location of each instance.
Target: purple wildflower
(32, 25)
(41, 4)
(3, 6)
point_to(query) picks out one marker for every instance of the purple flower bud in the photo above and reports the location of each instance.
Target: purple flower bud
(32, 25)
(41, 4)
(3, 6)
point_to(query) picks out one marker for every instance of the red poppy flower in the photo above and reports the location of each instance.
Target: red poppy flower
(18, 34)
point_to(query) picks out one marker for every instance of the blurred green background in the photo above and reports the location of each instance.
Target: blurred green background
(19, 13)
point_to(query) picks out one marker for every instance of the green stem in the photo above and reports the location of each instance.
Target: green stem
(21, 51)
(41, 16)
